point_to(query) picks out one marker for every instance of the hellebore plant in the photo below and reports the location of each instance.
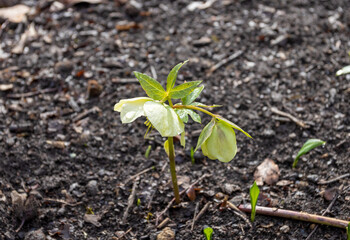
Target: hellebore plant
(217, 139)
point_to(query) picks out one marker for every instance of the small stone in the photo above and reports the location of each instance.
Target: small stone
(230, 188)
(268, 132)
(285, 228)
(64, 67)
(35, 235)
(92, 187)
(201, 42)
(94, 89)
(237, 200)
(166, 234)
(313, 178)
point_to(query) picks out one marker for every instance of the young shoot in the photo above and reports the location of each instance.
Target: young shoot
(208, 232)
(307, 147)
(218, 138)
(254, 194)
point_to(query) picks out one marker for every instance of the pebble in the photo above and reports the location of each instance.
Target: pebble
(35, 235)
(313, 178)
(285, 228)
(166, 234)
(92, 187)
(65, 67)
(230, 188)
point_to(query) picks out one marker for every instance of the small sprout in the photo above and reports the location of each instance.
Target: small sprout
(348, 231)
(208, 232)
(138, 202)
(254, 194)
(192, 156)
(344, 70)
(307, 147)
(149, 215)
(89, 211)
(148, 151)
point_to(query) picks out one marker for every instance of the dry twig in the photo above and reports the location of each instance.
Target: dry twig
(165, 222)
(194, 216)
(202, 211)
(138, 174)
(61, 201)
(302, 216)
(130, 201)
(224, 61)
(239, 213)
(31, 94)
(287, 115)
(334, 179)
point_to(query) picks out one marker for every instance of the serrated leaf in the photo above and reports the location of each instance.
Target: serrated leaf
(182, 113)
(254, 194)
(197, 104)
(308, 146)
(183, 90)
(151, 86)
(233, 125)
(192, 96)
(208, 232)
(205, 134)
(344, 70)
(173, 75)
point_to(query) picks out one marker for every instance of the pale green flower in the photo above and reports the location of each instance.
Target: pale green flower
(162, 116)
(221, 144)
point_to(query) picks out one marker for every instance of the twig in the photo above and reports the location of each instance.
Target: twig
(181, 193)
(284, 114)
(334, 179)
(239, 213)
(165, 222)
(202, 211)
(302, 216)
(224, 61)
(138, 174)
(130, 201)
(31, 94)
(327, 210)
(61, 201)
(85, 113)
(124, 234)
(194, 216)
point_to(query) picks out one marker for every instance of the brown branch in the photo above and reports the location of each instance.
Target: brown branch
(61, 201)
(224, 61)
(31, 94)
(239, 213)
(334, 179)
(302, 216)
(138, 174)
(287, 115)
(201, 212)
(130, 201)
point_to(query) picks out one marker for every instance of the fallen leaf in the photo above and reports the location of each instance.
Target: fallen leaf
(267, 172)
(330, 193)
(15, 14)
(93, 219)
(191, 193)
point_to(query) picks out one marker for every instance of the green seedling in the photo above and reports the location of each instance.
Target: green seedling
(138, 202)
(348, 231)
(254, 194)
(307, 147)
(218, 138)
(344, 70)
(208, 232)
(148, 151)
(192, 155)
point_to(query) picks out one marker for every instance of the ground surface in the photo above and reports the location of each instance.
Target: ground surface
(290, 53)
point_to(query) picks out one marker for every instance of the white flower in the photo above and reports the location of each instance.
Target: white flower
(162, 116)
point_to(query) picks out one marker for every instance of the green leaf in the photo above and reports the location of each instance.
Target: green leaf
(192, 96)
(254, 194)
(151, 86)
(344, 70)
(205, 134)
(233, 125)
(307, 147)
(183, 114)
(148, 151)
(173, 75)
(166, 147)
(183, 90)
(182, 139)
(348, 231)
(192, 156)
(208, 232)
(197, 104)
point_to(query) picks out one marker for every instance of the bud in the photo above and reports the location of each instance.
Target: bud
(221, 144)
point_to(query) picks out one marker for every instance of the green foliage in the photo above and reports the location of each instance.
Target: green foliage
(307, 147)
(344, 70)
(192, 96)
(183, 90)
(173, 75)
(254, 194)
(183, 114)
(192, 156)
(348, 231)
(138, 202)
(148, 151)
(208, 232)
(151, 86)
(205, 134)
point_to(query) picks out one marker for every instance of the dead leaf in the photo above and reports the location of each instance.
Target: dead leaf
(191, 193)
(126, 26)
(267, 172)
(18, 201)
(15, 14)
(93, 219)
(330, 193)
(183, 181)
(284, 183)
(6, 87)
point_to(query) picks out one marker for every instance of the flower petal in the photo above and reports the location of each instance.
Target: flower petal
(163, 118)
(131, 108)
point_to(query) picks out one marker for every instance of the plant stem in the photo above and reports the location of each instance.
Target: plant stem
(302, 216)
(196, 108)
(173, 170)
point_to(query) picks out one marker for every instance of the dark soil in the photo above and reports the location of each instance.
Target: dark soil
(290, 53)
